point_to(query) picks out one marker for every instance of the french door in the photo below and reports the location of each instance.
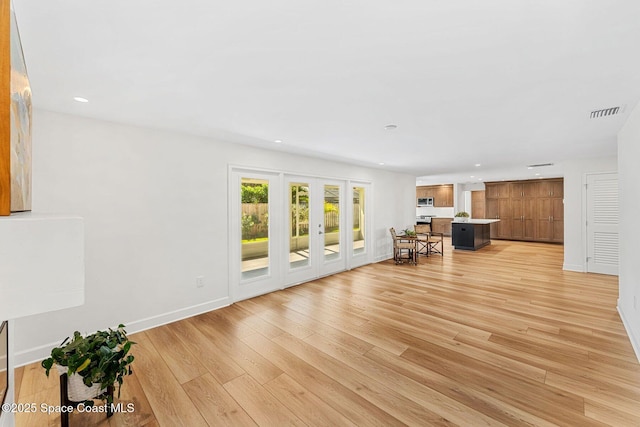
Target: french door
(287, 229)
(317, 232)
(254, 249)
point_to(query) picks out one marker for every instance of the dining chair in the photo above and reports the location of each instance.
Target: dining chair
(433, 241)
(403, 246)
(423, 232)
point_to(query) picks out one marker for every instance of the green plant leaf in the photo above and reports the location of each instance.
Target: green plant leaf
(100, 357)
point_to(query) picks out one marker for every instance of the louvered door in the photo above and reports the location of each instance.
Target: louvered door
(602, 223)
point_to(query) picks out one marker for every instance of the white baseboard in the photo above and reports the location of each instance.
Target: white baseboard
(383, 258)
(635, 340)
(37, 354)
(574, 267)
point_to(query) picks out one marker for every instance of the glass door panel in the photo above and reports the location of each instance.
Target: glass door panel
(331, 222)
(256, 233)
(255, 227)
(358, 221)
(298, 225)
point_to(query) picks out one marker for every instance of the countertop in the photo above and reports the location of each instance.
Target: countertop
(478, 221)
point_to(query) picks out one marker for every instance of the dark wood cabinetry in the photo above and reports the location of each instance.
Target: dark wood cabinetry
(528, 210)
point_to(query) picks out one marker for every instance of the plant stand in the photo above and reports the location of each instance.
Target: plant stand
(64, 400)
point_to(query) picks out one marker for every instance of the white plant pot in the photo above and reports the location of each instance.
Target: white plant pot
(77, 391)
(462, 219)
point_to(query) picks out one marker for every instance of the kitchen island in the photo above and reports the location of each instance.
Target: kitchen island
(471, 235)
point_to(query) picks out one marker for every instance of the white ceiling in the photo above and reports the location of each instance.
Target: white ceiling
(502, 83)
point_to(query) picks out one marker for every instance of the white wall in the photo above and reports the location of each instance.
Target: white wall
(463, 192)
(575, 245)
(472, 186)
(155, 210)
(629, 179)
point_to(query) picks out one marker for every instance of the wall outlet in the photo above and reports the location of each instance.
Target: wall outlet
(199, 281)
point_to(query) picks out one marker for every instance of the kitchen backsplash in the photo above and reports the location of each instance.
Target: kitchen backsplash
(440, 212)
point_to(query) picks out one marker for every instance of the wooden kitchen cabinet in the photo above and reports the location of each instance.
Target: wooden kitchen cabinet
(550, 219)
(499, 209)
(528, 210)
(550, 188)
(498, 190)
(523, 216)
(442, 194)
(525, 189)
(422, 192)
(523, 212)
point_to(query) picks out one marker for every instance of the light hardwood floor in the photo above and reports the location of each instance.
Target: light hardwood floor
(501, 336)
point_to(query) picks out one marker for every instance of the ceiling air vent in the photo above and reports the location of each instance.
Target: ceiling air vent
(605, 112)
(539, 165)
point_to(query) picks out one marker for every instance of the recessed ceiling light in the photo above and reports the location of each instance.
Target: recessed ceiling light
(80, 99)
(382, 164)
(530, 167)
(472, 176)
(479, 179)
(478, 165)
(391, 127)
(277, 141)
(537, 174)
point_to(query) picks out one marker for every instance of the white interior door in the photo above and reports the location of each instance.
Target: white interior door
(602, 223)
(316, 228)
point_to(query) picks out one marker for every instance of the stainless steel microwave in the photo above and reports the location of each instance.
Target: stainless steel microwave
(425, 201)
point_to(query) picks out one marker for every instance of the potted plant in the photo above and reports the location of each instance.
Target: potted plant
(409, 232)
(93, 363)
(462, 216)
